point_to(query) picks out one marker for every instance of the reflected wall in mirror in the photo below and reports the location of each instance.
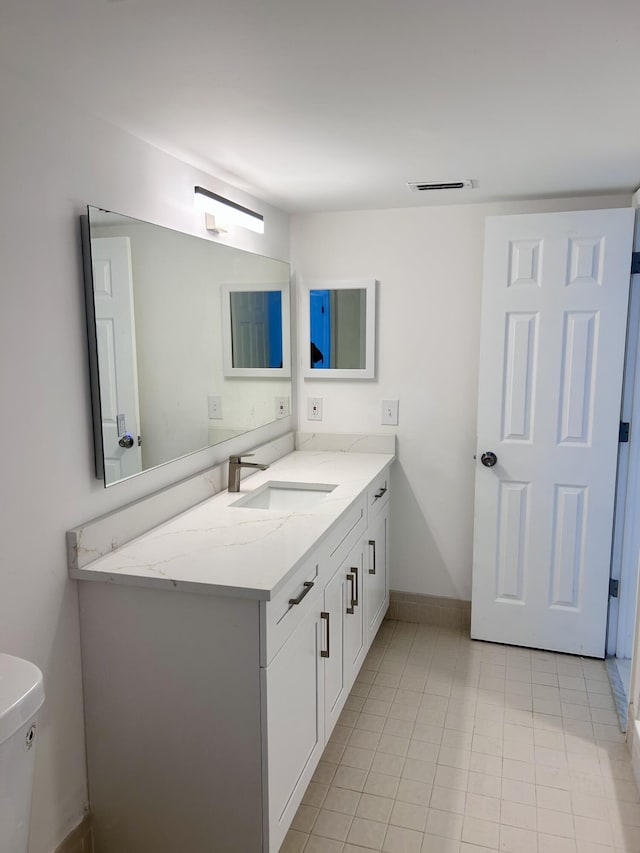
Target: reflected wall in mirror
(339, 329)
(156, 331)
(253, 317)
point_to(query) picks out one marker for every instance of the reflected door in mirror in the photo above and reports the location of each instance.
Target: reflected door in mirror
(338, 328)
(256, 328)
(116, 343)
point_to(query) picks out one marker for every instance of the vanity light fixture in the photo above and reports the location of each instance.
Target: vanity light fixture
(425, 186)
(221, 210)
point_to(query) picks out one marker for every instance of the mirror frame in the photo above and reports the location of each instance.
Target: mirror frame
(369, 369)
(227, 345)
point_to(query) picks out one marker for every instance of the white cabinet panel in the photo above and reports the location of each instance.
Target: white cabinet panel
(335, 686)
(293, 723)
(376, 582)
(354, 633)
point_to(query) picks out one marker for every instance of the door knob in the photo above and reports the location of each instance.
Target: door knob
(489, 459)
(126, 440)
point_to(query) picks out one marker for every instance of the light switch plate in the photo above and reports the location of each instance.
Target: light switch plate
(215, 407)
(314, 408)
(390, 412)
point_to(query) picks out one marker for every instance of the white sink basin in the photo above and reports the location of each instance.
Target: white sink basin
(282, 495)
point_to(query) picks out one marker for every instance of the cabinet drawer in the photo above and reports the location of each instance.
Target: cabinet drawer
(280, 616)
(345, 534)
(378, 491)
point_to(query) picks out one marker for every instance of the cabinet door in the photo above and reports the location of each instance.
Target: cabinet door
(377, 577)
(335, 686)
(293, 723)
(354, 633)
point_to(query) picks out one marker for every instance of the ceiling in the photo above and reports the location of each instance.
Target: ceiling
(336, 104)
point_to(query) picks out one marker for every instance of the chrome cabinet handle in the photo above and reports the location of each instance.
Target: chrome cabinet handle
(372, 542)
(350, 609)
(307, 589)
(323, 653)
(379, 493)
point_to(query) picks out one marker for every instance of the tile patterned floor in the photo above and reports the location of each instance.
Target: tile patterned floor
(447, 745)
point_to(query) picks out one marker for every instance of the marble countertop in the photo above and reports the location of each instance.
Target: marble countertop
(238, 551)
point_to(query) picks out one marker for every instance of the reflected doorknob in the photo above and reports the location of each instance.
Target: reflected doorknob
(489, 459)
(126, 440)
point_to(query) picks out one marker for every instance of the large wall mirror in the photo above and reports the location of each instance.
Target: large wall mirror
(160, 306)
(338, 325)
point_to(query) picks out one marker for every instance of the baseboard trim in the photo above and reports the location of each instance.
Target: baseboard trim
(633, 741)
(429, 609)
(79, 840)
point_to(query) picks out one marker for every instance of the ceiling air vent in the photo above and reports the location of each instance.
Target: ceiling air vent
(423, 186)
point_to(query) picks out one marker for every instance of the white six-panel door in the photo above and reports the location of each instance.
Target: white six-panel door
(115, 331)
(551, 359)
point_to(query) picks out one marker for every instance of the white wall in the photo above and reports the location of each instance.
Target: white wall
(428, 262)
(53, 163)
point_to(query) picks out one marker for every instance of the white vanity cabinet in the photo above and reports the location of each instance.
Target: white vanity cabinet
(207, 713)
(340, 626)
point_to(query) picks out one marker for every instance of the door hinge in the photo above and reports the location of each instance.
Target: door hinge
(623, 435)
(613, 588)
(635, 263)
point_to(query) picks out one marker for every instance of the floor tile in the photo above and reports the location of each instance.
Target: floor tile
(480, 806)
(553, 822)
(342, 800)
(294, 842)
(555, 844)
(448, 745)
(519, 792)
(419, 793)
(304, 818)
(483, 783)
(367, 833)
(409, 815)
(401, 840)
(332, 825)
(372, 807)
(485, 833)
(438, 844)
(444, 823)
(318, 844)
(448, 800)
(514, 840)
(350, 777)
(381, 785)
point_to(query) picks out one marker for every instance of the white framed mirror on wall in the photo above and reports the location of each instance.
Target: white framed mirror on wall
(255, 329)
(338, 328)
(158, 337)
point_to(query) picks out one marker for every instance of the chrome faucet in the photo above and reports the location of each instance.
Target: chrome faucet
(235, 464)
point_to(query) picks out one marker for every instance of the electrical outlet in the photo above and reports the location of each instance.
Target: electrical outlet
(214, 404)
(282, 407)
(390, 412)
(314, 408)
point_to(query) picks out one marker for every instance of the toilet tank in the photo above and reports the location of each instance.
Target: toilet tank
(21, 695)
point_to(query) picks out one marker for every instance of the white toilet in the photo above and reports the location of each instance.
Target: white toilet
(21, 695)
